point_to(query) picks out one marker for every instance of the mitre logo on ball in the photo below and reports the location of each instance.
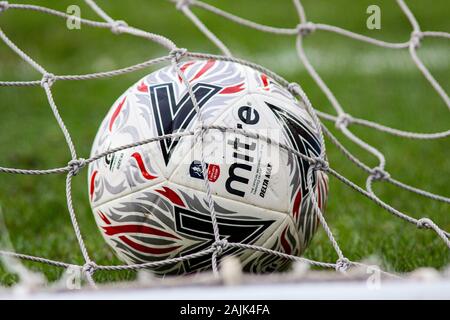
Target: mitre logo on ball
(150, 201)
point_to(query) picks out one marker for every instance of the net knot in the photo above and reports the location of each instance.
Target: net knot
(319, 164)
(183, 3)
(379, 174)
(178, 53)
(342, 264)
(424, 223)
(220, 246)
(343, 120)
(305, 29)
(199, 132)
(293, 88)
(116, 25)
(416, 37)
(76, 165)
(4, 5)
(89, 267)
(48, 79)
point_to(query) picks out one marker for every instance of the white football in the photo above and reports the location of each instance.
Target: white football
(149, 201)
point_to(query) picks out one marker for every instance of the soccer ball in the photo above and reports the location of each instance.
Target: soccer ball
(150, 201)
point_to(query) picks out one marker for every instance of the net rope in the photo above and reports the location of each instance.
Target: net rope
(341, 120)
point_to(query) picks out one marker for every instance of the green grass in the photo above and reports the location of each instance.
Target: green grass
(377, 84)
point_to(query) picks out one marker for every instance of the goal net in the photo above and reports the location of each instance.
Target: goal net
(226, 270)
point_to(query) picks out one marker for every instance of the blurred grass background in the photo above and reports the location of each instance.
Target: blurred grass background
(378, 84)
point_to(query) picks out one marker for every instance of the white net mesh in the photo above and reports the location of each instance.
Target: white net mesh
(341, 119)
